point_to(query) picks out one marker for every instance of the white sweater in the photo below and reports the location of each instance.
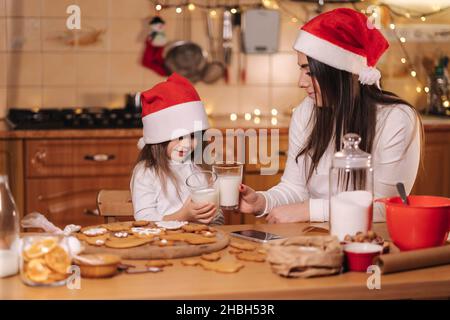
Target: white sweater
(149, 200)
(395, 153)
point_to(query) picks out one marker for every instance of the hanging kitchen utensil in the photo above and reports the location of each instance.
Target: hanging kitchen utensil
(214, 69)
(227, 43)
(242, 57)
(185, 57)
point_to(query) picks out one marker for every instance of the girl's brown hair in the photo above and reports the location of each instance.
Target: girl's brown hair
(155, 157)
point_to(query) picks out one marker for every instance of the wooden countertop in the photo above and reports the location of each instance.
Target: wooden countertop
(430, 124)
(254, 281)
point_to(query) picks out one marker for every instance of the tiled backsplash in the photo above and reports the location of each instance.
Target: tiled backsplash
(38, 69)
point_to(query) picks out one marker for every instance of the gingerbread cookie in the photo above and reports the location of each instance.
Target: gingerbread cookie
(193, 227)
(190, 262)
(190, 238)
(164, 243)
(158, 263)
(171, 225)
(234, 251)
(242, 246)
(207, 234)
(222, 266)
(251, 256)
(125, 243)
(118, 226)
(94, 241)
(140, 223)
(120, 234)
(146, 232)
(95, 231)
(174, 231)
(214, 256)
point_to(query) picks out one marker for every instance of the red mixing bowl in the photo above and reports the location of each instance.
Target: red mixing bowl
(424, 223)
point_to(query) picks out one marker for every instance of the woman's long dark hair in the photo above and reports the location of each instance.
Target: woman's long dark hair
(347, 107)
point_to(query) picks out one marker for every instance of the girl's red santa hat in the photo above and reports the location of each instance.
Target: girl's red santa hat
(170, 110)
(346, 40)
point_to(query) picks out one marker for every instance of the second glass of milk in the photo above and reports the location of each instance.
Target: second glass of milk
(230, 178)
(204, 187)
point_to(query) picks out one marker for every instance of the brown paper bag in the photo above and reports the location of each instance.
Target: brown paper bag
(305, 256)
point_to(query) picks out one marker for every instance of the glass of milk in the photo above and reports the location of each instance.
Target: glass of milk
(203, 187)
(230, 178)
(351, 189)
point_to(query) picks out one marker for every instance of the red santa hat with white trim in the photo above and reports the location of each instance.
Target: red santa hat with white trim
(171, 109)
(346, 40)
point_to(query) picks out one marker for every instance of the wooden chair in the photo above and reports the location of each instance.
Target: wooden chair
(114, 203)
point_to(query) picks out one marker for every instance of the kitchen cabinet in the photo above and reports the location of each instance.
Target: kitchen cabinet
(63, 176)
(433, 177)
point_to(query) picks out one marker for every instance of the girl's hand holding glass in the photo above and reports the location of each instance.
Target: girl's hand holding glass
(199, 212)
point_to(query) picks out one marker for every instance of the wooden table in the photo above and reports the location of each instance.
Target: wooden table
(255, 281)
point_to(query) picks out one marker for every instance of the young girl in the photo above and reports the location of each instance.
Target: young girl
(337, 53)
(172, 112)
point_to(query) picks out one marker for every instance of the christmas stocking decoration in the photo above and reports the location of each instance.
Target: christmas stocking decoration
(154, 46)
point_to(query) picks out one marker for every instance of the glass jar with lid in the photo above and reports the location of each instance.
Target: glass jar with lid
(351, 189)
(9, 231)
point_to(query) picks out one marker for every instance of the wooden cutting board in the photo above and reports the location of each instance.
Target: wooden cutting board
(178, 250)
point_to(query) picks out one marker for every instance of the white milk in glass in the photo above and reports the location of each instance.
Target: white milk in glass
(229, 190)
(351, 212)
(206, 196)
(9, 263)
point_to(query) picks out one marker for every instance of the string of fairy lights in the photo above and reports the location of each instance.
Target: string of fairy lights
(401, 40)
(235, 7)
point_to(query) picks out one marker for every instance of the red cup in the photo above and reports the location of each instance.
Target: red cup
(424, 223)
(359, 255)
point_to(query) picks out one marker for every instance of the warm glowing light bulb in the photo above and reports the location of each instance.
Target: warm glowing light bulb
(403, 60)
(233, 11)
(158, 7)
(274, 121)
(413, 73)
(257, 120)
(402, 39)
(392, 26)
(213, 13)
(423, 18)
(233, 117)
(419, 89)
(191, 7)
(426, 89)
(294, 20)
(247, 116)
(274, 112)
(446, 103)
(178, 10)
(257, 112)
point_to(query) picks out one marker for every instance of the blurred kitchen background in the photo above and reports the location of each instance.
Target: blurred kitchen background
(45, 65)
(52, 77)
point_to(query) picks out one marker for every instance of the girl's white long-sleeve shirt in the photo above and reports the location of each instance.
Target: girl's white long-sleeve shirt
(395, 154)
(150, 202)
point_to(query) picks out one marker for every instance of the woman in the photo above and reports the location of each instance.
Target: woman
(337, 53)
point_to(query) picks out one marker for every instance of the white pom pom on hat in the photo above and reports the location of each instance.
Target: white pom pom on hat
(369, 76)
(346, 40)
